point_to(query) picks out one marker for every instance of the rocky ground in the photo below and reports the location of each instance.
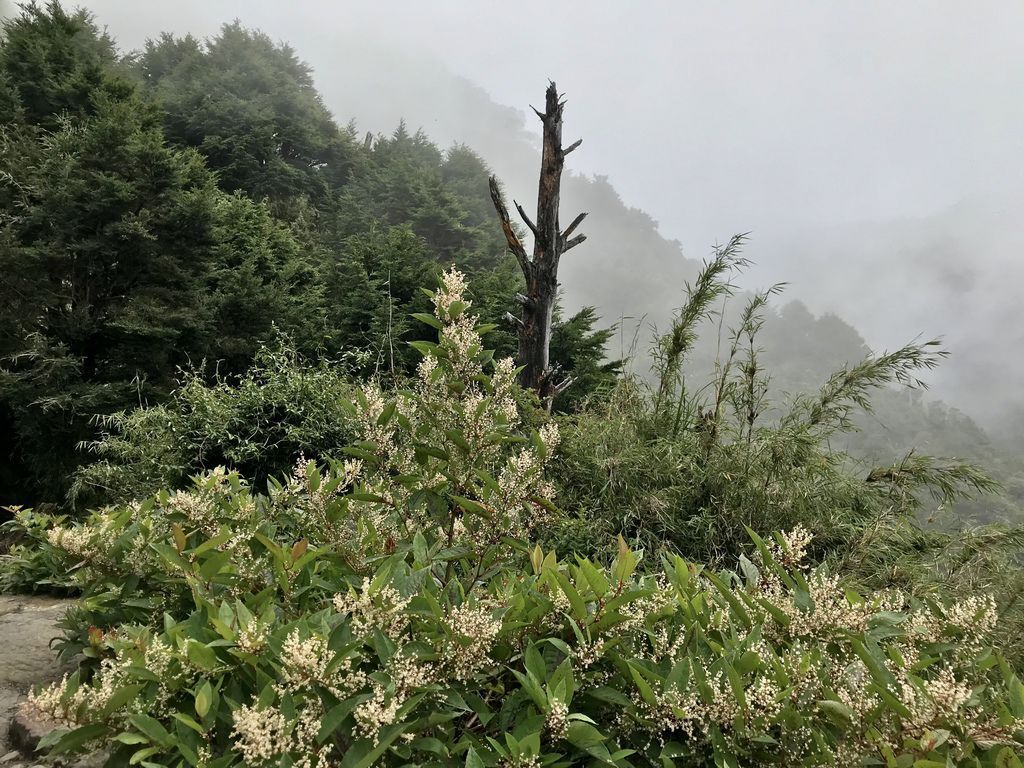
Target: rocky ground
(27, 625)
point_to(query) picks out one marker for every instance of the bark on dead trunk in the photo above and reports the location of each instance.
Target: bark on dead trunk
(549, 243)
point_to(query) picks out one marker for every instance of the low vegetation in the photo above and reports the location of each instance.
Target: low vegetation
(387, 607)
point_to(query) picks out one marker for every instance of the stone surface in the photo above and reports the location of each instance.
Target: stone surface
(28, 624)
(25, 732)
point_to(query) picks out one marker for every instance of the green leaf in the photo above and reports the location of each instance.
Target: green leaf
(1007, 758)
(422, 451)
(473, 759)
(201, 655)
(837, 711)
(532, 687)
(597, 580)
(215, 564)
(456, 437)
(364, 753)
(425, 348)
(335, 717)
(456, 308)
(130, 738)
(203, 699)
(142, 754)
(579, 608)
(189, 722)
(610, 695)
(726, 592)
(427, 319)
(750, 572)
(535, 663)
(121, 697)
(387, 414)
(152, 729)
(724, 758)
(471, 506)
(646, 692)
(214, 542)
(71, 741)
(586, 737)
(179, 537)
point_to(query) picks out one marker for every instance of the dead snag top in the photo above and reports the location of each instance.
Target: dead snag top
(540, 269)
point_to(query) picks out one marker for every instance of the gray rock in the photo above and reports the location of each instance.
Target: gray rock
(26, 731)
(28, 624)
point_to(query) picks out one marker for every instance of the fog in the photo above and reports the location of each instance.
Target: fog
(873, 149)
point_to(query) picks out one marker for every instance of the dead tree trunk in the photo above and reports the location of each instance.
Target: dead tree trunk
(549, 243)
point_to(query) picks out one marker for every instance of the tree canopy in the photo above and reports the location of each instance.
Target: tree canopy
(191, 203)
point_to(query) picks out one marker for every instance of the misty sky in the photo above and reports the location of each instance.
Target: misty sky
(797, 121)
(713, 117)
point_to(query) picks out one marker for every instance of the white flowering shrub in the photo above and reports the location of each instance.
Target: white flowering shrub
(552, 663)
(386, 609)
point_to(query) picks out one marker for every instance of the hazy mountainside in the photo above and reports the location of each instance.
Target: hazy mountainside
(626, 268)
(947, 275)
(891, 280)
(302, 227)
(850, 269)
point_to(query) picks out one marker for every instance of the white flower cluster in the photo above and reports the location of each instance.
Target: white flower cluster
(831, 610)
(557, 720)
(252, 638)
(89, 542)
(407, 675)
(453, 288)
(969, 621)
(314, 499)
(259, 734)
(303, 661)
(673, 711)
(520, 479)
(369, 609)
(523, 761)
(588, 654)
(474, 630)
(723, 709)
(76, 540)
(794, 547)
(639, 612)
(263, 736)
(198, 509)
(811, 660)
(462, 412)
(52, 703)
(763, 697)
(69, 708)
(941, 697)
(377, 712)
(380, 434)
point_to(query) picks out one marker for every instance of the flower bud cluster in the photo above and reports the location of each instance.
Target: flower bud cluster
(557, 721)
